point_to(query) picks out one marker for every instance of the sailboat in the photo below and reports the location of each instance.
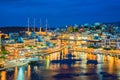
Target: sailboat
(28, 30)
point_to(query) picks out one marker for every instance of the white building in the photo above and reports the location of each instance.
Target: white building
(111, 42)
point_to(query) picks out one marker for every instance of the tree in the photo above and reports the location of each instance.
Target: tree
(5, 52)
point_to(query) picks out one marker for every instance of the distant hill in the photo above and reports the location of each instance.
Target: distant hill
(9, 29)
(113, 23)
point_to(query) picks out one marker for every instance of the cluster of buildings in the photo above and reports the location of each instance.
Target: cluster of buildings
(97, 35)
(105, 36)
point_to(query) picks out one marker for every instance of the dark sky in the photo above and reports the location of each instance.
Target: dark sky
(58, 12)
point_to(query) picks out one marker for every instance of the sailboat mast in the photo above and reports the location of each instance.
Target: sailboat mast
(34, 32)
(34, 24)
(40, 25)
(28, 24)
(46, 25)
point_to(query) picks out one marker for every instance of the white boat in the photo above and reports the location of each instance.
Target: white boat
(16, 62)
(9, 69)
(32, 59)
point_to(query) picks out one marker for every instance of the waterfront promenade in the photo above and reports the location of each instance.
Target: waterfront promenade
(63, 45)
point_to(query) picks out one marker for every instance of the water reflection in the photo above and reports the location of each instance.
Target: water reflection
(21, 72)
(28, 73)
(106, 69)
(15, 73)
(3, 75)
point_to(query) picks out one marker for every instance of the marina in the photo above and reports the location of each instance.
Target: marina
(59, 40)
(68, 56)
(79, 70)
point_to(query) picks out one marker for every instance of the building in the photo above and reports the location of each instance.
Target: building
(111, 41)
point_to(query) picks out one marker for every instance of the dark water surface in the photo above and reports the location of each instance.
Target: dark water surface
(108, 68)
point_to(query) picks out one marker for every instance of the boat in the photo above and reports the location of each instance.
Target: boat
(9, 69)
(69, 60)
(66, 61)
(95, 62)
(33, 60)
(16, 63)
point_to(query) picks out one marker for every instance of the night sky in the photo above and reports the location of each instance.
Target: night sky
(58, 12)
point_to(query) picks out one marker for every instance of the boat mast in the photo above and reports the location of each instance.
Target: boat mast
(34, 32)
(40, 26)
(46, 25)
(28, 24)
(34, 24)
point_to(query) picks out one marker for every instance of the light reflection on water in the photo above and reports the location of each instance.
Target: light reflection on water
(78, 71)
(20, 75)
(3, 75)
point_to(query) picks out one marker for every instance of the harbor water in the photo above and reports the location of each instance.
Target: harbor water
(106, 68)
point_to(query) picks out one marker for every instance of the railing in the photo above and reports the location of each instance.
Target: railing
(50, 51)
(104, 52)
